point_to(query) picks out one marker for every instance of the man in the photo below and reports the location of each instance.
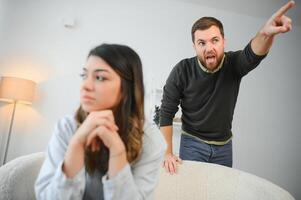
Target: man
(206, 87)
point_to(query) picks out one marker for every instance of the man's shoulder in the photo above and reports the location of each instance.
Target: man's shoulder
(184, 64)
(231, 54)
(236, 53)
(187, 62)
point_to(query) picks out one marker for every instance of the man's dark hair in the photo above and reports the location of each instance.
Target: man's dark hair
(205, 23)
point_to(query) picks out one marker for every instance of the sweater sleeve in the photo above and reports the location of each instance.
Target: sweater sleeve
(52, 183)
(246, 60)
(172, 93)
(139, 180)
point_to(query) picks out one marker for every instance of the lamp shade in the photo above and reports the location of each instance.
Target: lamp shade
(17, 89)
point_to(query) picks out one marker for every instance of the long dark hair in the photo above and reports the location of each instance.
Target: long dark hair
(129, 114)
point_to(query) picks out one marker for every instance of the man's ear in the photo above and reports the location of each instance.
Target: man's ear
(193, 45)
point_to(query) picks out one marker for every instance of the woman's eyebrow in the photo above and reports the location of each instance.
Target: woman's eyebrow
(101, 70)
(96, 70)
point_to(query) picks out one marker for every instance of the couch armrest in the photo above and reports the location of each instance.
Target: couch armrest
(18, 176)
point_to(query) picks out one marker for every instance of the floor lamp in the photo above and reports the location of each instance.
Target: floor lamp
(15, 90)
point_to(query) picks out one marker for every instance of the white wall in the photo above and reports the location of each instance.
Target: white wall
(3, 124)
(266, 123)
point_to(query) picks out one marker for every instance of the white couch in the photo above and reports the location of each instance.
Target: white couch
(17, 177)
(195, 181)
(205, 181)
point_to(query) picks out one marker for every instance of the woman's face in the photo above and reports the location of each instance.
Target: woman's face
(101, 86)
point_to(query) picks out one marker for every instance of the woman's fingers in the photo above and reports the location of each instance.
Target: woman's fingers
(94, 145)
(108, 114)
(102, 132)
(92, 136)
(104, 117)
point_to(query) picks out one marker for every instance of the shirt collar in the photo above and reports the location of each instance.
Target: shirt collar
(215, 70)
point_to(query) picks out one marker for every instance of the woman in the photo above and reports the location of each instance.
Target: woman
(107, 150)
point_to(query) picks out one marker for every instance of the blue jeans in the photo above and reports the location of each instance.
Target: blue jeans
(194, 149)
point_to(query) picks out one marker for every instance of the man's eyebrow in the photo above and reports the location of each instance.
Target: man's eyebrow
(200, 40)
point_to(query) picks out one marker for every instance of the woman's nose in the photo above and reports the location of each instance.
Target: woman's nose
(88, 84)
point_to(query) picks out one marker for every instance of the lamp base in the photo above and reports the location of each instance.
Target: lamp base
(9, 133)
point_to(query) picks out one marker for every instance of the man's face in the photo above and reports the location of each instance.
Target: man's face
(209, 46)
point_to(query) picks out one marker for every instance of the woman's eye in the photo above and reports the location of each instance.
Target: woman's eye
(83, 76)
(100, 78)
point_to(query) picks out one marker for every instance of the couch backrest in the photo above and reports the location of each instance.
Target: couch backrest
(205, 181)
(194, 181)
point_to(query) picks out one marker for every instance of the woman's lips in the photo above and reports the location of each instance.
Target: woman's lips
(88, 98)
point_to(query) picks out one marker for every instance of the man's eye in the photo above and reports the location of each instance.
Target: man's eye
(215, 41)
(202, 43)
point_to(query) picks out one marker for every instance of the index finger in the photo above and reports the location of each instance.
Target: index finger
(284, 9)
(104, 113)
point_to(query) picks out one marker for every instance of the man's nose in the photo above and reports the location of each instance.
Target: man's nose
(209, 47)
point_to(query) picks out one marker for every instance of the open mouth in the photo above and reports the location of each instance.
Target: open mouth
(210, 58)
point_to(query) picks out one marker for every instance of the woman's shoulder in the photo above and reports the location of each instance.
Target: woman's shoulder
(67, 122)
(66, 126)
(153, 140)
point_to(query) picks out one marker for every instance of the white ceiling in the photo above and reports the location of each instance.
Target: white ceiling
(254, 8)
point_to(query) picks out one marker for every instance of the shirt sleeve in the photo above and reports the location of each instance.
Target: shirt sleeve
(246, 60)
(171, 97)
(139, 180)
(52, 183)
